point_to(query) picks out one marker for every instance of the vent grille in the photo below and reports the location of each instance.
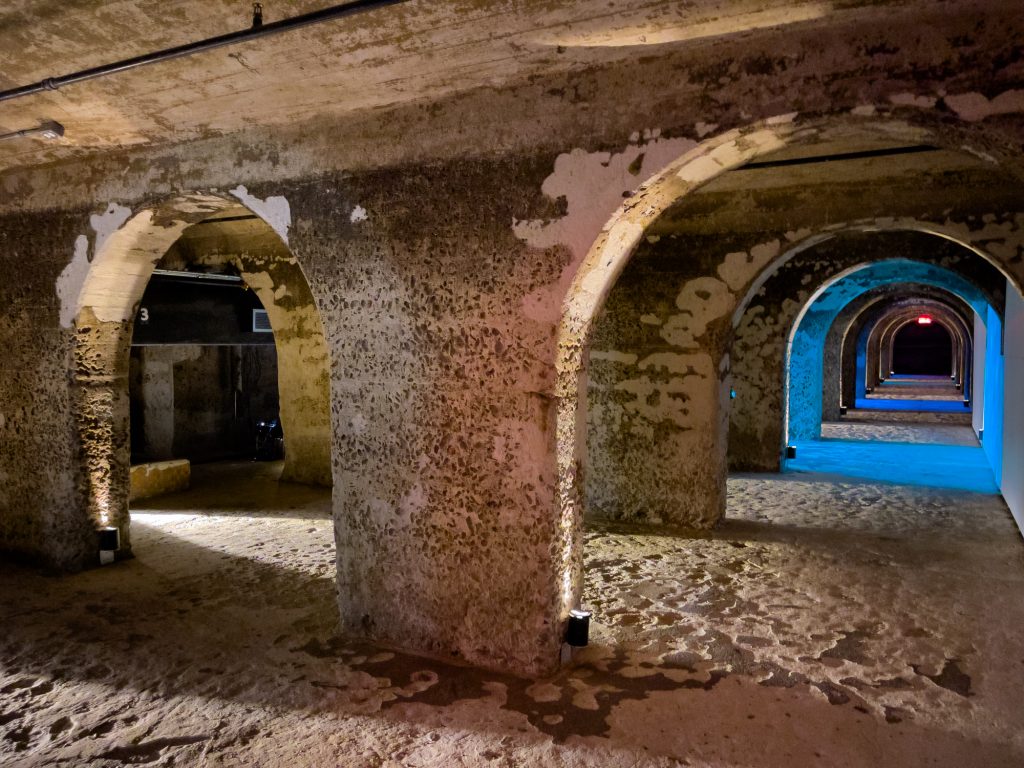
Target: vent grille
(260, 321)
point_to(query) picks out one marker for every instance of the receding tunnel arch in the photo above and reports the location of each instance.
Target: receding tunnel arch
(804, 369)
(845, 345)
(952, 334)
(766, 336)
(878, 341)
(925, 349)
(104, 315)
(764, 330)
(919, 348)
(707, 300)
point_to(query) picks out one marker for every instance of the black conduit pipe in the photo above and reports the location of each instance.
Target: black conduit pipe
(258, 30)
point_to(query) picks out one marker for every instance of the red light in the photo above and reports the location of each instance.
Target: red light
(924, 320)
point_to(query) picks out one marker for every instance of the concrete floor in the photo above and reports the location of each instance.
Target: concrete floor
(828, 621)
(928, 454)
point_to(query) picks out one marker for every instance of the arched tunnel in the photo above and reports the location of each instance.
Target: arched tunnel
(565, 383)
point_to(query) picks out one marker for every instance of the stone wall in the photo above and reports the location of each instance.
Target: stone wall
(441, 242)
(42, 491)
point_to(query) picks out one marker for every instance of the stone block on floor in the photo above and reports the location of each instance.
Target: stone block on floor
(157, 478)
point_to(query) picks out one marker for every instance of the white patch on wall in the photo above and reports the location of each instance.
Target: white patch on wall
(703, 129)
(358, 214)
(357, 425)
(275, 210)
(976, 106)
(498, 452)
(107, 223)
(613, 356)
(739, 268)
(679, 399)
(913, 100)
(71, 280)
(979, 154)
(72, 277)
(260, 281)
(700, 302)
(411, 504)
(594, 184)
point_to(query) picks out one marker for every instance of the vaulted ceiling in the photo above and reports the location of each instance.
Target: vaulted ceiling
(417, 50)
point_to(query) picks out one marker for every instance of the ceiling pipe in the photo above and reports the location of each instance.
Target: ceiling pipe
(257, 30)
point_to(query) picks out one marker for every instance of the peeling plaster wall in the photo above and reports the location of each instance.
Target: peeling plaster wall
(439, 241)
(655, 430)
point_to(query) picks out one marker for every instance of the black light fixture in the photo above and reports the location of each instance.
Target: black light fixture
(578, 633)
(842, 410)
(110, 542)
(790, 451)
(48, 129)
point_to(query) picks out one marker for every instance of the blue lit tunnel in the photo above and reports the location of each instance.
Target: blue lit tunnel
(897, 337)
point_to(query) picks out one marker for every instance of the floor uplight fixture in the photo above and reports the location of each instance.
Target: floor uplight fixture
(578, 633)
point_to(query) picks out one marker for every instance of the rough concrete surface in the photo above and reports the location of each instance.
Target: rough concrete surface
(458, 186)
(824, 622)
(948, 434)
(156, 478)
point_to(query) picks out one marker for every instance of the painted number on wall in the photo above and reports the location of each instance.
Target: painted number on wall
(143, 315)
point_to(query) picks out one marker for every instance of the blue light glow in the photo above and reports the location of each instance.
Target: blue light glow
(942, 466)
(929, 406)
(804, 365)
(992, 443)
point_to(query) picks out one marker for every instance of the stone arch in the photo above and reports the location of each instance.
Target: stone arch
(953, 333)
(890, 324)
(764, 330)
(615, 245)
(104, 312)
(841, 386)
(803, 370)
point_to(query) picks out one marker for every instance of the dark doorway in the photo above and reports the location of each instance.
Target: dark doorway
(922, 349)
(203, 370)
